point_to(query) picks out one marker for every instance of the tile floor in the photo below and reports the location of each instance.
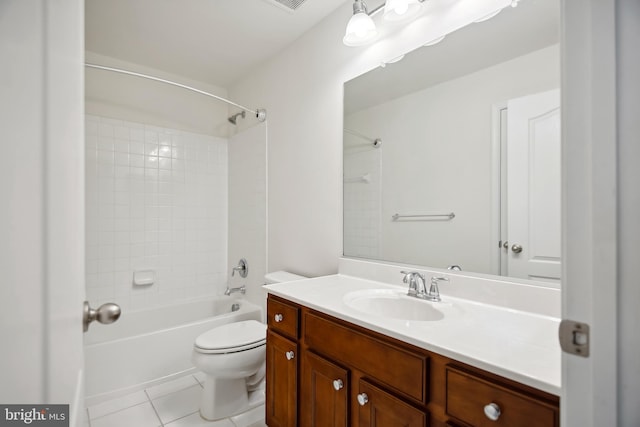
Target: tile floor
(171, 404)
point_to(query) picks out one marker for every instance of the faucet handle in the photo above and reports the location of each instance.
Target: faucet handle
(407, 275)
(434, 292)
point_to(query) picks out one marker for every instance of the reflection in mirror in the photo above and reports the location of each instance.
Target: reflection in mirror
(452, 155)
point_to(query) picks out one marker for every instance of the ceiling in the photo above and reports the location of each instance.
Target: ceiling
(212, 41)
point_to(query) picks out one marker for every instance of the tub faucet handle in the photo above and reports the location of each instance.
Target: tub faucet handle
(242, 268)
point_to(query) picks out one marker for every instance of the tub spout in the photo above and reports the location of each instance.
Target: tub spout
(242, 289)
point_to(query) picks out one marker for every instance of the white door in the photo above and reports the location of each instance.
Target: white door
(42, 208)
(533, 187)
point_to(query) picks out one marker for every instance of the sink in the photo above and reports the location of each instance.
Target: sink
(395, 304)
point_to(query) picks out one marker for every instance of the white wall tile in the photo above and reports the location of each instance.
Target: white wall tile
(140, 205)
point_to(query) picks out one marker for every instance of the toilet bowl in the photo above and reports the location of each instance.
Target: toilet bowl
(233, 357)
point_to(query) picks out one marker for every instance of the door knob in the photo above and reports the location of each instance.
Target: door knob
(516, 248)
(290, 355)
(338, 384)
(105, 314)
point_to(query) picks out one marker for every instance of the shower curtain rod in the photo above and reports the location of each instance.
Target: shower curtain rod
(261, 113)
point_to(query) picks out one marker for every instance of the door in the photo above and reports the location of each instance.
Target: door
(324, 394)
(282, 381)
(378, 408)
(533, 187)
(42, 214)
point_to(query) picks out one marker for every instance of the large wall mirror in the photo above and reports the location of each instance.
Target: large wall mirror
(452, 154)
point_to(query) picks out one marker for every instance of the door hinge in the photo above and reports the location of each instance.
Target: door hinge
(574, 337)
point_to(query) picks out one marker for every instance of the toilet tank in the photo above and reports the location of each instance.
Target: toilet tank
(280, 277)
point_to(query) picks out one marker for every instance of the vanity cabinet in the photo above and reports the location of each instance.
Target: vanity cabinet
(282, 364)
(346, 375)
(324, 392)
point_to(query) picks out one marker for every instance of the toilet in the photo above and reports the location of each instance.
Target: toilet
(233, 358)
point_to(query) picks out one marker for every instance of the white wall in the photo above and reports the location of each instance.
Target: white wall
(302, 91)
(437, 158)
(156, 199)
(248, 208)
(124, 97)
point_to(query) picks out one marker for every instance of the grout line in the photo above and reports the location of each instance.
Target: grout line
(116, 411)
(185, 416)
(198, 381)
(154, 408)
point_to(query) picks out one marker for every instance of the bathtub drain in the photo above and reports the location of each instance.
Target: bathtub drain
(235, 307)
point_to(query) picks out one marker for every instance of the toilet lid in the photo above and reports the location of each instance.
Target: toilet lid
(233, 336)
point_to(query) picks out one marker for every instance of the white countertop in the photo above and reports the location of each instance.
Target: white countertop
(515, 344)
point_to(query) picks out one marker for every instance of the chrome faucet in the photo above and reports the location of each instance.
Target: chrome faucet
(416, 283)
(418, 287)
(242, 268)
(434, 292)
(242, 289)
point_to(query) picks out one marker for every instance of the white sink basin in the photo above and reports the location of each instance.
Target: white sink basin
(393, 304)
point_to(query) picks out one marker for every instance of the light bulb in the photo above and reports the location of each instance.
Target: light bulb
(401, 10)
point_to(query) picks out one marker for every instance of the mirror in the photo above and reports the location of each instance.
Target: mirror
(452, 154)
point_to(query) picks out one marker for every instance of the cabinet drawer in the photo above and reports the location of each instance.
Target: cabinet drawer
(397, 368)
(283, 317)
(467, 396)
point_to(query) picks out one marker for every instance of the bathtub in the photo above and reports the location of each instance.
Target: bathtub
(146, 347)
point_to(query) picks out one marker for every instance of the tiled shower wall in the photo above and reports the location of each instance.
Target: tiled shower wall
(362, 198)
(156, 199)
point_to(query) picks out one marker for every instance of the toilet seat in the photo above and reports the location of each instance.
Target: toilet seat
(232, 338)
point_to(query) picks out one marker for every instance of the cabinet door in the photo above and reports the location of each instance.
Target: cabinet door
(379, 408)
(282, 382)
(324, 393)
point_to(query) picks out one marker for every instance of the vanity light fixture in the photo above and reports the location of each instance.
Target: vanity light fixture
(401, 10)
(489, 16)
(392, 61)
(434, 41)
(361, 29)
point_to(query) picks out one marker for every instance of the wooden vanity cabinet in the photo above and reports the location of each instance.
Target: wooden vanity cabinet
(346, 375)
(282, 364)
(324, 392)
(381, 408)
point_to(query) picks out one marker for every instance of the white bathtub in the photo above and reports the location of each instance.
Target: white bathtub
(146, 346)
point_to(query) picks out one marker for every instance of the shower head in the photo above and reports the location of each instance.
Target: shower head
(234, 117)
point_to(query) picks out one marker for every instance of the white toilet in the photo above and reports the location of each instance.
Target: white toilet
(233, 358)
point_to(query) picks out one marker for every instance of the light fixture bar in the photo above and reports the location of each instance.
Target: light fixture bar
(361, 29)
(381, 7)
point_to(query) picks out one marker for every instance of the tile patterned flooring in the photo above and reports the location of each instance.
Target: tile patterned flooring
(171, 404)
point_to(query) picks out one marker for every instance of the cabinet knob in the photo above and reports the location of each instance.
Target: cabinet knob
(278, 317)
(363, 399)
(492, 411)
(290, 355)
(338, 384)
